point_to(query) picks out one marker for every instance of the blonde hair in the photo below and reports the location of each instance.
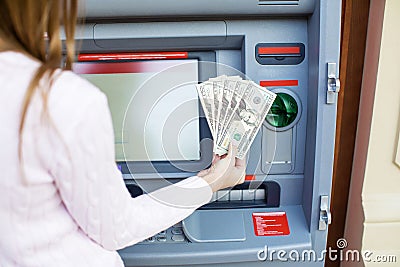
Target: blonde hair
(33, 27)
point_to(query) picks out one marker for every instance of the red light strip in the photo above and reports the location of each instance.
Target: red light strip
(133, 56)
(279, 50)
(279, 83)
(250, 177)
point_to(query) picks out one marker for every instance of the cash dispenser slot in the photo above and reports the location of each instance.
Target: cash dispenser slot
(252, 194)
(280, 53)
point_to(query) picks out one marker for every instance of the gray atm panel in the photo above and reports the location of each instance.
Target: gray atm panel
(189, 8)
(298, 158)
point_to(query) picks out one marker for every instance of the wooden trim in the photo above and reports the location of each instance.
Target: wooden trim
(355, 15)
(355, 215)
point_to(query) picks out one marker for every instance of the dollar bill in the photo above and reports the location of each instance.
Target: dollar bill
(225, 109)
(246, 119)
(218, 94)
(244, 144)
(206, 95)
(237, 100)
(235, 110)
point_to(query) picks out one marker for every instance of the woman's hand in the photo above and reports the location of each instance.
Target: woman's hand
(225, 171)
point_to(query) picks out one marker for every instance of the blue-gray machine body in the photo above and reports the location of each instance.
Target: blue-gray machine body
(289, 46)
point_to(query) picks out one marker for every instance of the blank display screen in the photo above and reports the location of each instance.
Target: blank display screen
(154, 107)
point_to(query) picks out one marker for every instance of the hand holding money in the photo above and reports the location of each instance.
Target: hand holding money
(225, 171)
(235, 110)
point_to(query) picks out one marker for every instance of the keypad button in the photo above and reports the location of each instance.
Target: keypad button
(177, 225)
(178, 238)
(162, 239)
(177, 231)
(151, 239)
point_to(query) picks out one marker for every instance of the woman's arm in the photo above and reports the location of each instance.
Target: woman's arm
(94, 192)
(91, 186)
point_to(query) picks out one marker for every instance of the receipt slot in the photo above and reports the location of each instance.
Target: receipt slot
(146, 56)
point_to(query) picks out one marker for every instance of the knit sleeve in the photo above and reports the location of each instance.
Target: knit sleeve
(94, 193)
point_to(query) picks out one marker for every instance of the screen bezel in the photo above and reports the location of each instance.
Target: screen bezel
(206, 69)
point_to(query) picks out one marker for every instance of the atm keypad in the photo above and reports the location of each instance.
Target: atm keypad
(172, 235)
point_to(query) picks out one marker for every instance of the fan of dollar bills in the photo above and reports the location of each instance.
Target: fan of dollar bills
(235, 109)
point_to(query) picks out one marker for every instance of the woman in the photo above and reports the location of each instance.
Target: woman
(62, 199)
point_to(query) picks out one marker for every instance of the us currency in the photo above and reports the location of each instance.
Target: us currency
(237, 100)
(225, 109)
(205, 91)
(218, 94)
(221, 98)
(246, 119)
(244, 144)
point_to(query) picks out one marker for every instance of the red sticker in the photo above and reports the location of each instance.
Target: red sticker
(270, 223)
(273, 83)
(250, 177)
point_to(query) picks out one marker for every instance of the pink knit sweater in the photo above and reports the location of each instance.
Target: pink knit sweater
(71, 208)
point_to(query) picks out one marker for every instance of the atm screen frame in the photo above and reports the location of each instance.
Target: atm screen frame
(205, 60)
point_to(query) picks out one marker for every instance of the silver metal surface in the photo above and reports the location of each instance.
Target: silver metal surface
(325, 217)
(333, 84)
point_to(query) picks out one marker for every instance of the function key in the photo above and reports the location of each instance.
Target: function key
(179, 224)
(162, 239)
(151, 239)
(178, 238)
(177, 231)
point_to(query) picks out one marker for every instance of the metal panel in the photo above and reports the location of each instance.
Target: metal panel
(156, 8)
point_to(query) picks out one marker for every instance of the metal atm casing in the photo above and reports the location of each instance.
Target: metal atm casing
(303, 159)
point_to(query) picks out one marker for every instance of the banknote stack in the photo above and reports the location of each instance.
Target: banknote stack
(235, 109)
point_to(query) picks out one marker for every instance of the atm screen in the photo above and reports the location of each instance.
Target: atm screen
(154, 107)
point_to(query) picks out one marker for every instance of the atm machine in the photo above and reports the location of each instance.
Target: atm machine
(136, 51)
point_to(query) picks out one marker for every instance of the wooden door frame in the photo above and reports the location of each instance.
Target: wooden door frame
(355, 15)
